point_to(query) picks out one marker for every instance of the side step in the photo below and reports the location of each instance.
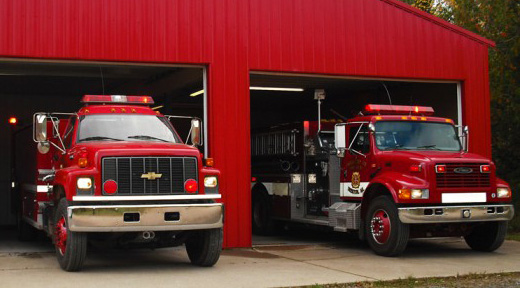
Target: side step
(345, 216)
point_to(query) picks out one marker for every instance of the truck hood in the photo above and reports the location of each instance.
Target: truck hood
(434, 156)
(134, 148)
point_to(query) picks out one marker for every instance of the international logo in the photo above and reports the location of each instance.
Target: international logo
(463, 170)
(151, 176)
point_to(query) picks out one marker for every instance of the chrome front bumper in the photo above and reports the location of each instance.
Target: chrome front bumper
(455, 214)
(123, 218)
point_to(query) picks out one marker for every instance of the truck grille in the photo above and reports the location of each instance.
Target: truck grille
(451, 179)
(127, 172)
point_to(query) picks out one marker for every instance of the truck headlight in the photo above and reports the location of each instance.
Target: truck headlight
(84, 183)
(503, 192)
(210, 181)
(420, 193)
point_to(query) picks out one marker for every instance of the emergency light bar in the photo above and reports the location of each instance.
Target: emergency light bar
(146, 100)
(397, 109)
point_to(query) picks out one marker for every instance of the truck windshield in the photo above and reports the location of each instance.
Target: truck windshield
(406, 135)
(124, 127)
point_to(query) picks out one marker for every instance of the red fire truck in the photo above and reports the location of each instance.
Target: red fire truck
(390, 173)
(117, 173)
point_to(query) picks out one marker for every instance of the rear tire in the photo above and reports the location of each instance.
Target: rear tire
(487, 237)
(71, 247)
(384, 232)
(263, 223)
(204, 247)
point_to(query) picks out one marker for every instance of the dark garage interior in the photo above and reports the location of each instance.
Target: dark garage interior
(29, 87)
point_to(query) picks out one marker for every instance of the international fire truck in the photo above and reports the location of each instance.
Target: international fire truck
(391, 173)
(117, 173)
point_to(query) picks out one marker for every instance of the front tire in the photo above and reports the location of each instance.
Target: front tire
(384, 232)
(487, 237)
(204, 247)
(71, 247)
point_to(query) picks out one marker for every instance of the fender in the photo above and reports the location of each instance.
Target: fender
(393, 181)
(66, 178)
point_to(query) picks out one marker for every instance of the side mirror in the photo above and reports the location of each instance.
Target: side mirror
(195, 132)
(465, 131)
(40, 126)
(340, 139)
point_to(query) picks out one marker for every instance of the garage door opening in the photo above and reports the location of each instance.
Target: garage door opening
(30, 86)
(284, 106)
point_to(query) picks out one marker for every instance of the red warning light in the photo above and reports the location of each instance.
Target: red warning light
(13, 121)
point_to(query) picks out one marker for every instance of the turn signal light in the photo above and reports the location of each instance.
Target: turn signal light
(440, 168)
(13, 120)
(485, 169)
(209, 162)
(190, 186)
(405, 194)
(82, 162)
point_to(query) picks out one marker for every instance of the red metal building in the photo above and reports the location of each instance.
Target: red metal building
(231, 38)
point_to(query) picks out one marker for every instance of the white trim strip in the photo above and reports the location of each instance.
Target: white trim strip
(464, 197)
(146, 198)
(42, 188)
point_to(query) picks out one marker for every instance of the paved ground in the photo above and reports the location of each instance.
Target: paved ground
(291, 260)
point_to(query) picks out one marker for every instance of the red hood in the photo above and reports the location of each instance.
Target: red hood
(97, 150)
(434, 156)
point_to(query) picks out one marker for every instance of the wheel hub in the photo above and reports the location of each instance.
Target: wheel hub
(380, 226)
(61, 235)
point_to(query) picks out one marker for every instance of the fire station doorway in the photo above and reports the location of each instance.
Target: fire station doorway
(30, 86)
(284, 103)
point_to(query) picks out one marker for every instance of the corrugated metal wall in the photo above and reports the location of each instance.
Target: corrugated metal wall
(377, 38)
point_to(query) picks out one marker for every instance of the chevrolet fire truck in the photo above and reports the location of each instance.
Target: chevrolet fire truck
(117, 173)
(390, 173)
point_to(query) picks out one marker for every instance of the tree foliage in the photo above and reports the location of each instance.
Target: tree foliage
(498, 20)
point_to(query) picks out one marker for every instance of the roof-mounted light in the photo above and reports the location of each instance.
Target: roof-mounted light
(397, 109)
(145, 100)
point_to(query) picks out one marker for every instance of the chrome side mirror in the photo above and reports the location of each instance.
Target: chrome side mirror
(195, 132)
(465, 130)
(40, 126)
(340, 140)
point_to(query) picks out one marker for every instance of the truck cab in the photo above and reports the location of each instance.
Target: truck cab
(117, 171)
(419, 172)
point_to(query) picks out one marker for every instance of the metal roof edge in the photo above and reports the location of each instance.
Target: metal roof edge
(440, 22)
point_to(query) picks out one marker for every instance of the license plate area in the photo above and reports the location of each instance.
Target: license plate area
(471, 197)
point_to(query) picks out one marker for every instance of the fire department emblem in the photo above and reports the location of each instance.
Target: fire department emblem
(356, 184)
(356, 180)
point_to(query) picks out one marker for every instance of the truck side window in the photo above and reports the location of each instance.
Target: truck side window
(67, 135)
(362, 141)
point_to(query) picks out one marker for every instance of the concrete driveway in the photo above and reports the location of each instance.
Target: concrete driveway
(273, 262)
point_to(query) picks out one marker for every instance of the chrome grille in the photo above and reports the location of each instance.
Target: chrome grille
(451, 179)
(127, 172)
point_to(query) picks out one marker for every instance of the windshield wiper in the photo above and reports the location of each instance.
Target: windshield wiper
(433, 146)
(96, 138)
(146, 137)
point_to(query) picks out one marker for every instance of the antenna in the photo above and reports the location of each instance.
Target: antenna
(102, 79)
(319, 95)
(387, 93)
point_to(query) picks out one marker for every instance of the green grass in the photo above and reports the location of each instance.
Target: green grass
(469, 280)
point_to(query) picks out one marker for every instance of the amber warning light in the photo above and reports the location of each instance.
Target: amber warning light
(146, 100)
(13, 121)
(397, 109)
